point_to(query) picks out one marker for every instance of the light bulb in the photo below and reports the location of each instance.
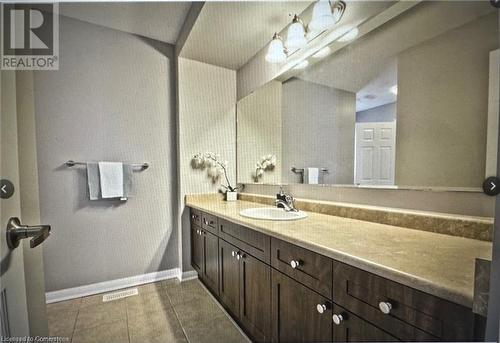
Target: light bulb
(296, 37)
(322, 17)
(276, 51)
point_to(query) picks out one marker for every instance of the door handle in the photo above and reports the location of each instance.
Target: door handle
(16, 232)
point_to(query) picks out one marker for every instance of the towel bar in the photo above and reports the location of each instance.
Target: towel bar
(142, 166)
(301, 170)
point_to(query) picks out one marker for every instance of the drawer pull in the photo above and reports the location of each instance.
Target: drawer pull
(385, 307)
(321, 308)
(295, 263)
(337, 319)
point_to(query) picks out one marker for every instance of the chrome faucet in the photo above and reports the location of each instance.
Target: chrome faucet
(288, 204)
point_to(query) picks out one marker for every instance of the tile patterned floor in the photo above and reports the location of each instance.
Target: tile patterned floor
(167, 312)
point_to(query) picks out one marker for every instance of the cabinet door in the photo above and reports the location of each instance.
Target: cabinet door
(350, 328)
(211, 261)
(295, 314)
(197, 247)
(255, 298)
(229, 277)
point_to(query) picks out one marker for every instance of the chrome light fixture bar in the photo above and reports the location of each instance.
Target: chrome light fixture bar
(325, 14)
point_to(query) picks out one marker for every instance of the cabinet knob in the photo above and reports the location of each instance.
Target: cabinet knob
(238, 256)
(321, 308)
(337, 319)
(233, 253)
(295, 263)
(385, 307)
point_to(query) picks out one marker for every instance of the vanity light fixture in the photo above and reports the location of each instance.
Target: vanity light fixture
(296, 37)
(323, 52)
(276, 53)
(326, 14)
(301, 65)
(350, 35)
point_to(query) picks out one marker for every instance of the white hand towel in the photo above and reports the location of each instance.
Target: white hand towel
(311, 176)
(111, 175)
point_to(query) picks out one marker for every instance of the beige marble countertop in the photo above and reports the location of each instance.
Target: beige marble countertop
(437, 264)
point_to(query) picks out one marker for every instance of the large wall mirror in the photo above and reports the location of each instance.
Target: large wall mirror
(411, 103)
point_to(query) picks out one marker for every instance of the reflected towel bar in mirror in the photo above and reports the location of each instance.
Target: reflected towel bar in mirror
(301, 170)
(141, 166)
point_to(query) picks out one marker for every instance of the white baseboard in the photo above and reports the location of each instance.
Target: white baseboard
(186, 276)
(108, 286)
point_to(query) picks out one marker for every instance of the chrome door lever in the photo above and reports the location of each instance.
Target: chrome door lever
(16, 232)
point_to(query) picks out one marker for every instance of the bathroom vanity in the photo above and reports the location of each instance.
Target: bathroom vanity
(327, 278)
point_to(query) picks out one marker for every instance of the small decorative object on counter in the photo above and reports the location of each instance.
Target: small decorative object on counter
(231, 196)
(215, 169)
(267, 162)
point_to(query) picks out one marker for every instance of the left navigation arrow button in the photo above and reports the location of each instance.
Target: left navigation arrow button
(6, 189)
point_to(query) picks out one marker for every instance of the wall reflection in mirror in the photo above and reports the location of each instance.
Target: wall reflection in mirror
(412, 102)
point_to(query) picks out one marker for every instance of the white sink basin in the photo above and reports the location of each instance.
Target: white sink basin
(272, 213)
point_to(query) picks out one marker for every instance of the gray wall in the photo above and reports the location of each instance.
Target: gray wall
(206, 122)
(384, 113)
(318, 130)
(112, 99)
(442, 107)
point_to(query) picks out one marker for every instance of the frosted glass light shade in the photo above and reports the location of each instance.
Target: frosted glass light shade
(276, 51)
(296, 37)
(322, 17)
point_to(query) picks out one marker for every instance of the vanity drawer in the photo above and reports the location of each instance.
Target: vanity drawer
(307, 267)
(195, 217)
(406, 313)
(209, 222)
(253, 242)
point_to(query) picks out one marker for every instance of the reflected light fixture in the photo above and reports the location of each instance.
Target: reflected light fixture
(276, 52)
(323, 52)
(301, 65)
(350, 35)
(325, 14)
(296, 37)
(394, 89)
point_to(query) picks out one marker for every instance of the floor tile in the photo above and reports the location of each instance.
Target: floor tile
(158, 287)
(186, 291)
(214, 331)
(196, 311)
(147, 303)
(62, 323)
(156, 327)
(103, 313)
(68, 305)
(106, 333)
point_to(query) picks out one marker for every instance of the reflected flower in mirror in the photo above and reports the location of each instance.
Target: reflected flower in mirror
(267, 162)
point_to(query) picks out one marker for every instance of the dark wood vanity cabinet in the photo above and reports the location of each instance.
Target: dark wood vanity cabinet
(279, 292)
(245, 284)
(205, 254)
(298, 313)
(348, 327)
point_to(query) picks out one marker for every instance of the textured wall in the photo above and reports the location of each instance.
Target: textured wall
(318, 130)
(112, 99)
(207, 122)
(442, 107)
(259, 125)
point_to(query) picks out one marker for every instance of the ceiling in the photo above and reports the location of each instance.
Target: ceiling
(362, 65)
(157, 20)
(378, 91)
(228, 34)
